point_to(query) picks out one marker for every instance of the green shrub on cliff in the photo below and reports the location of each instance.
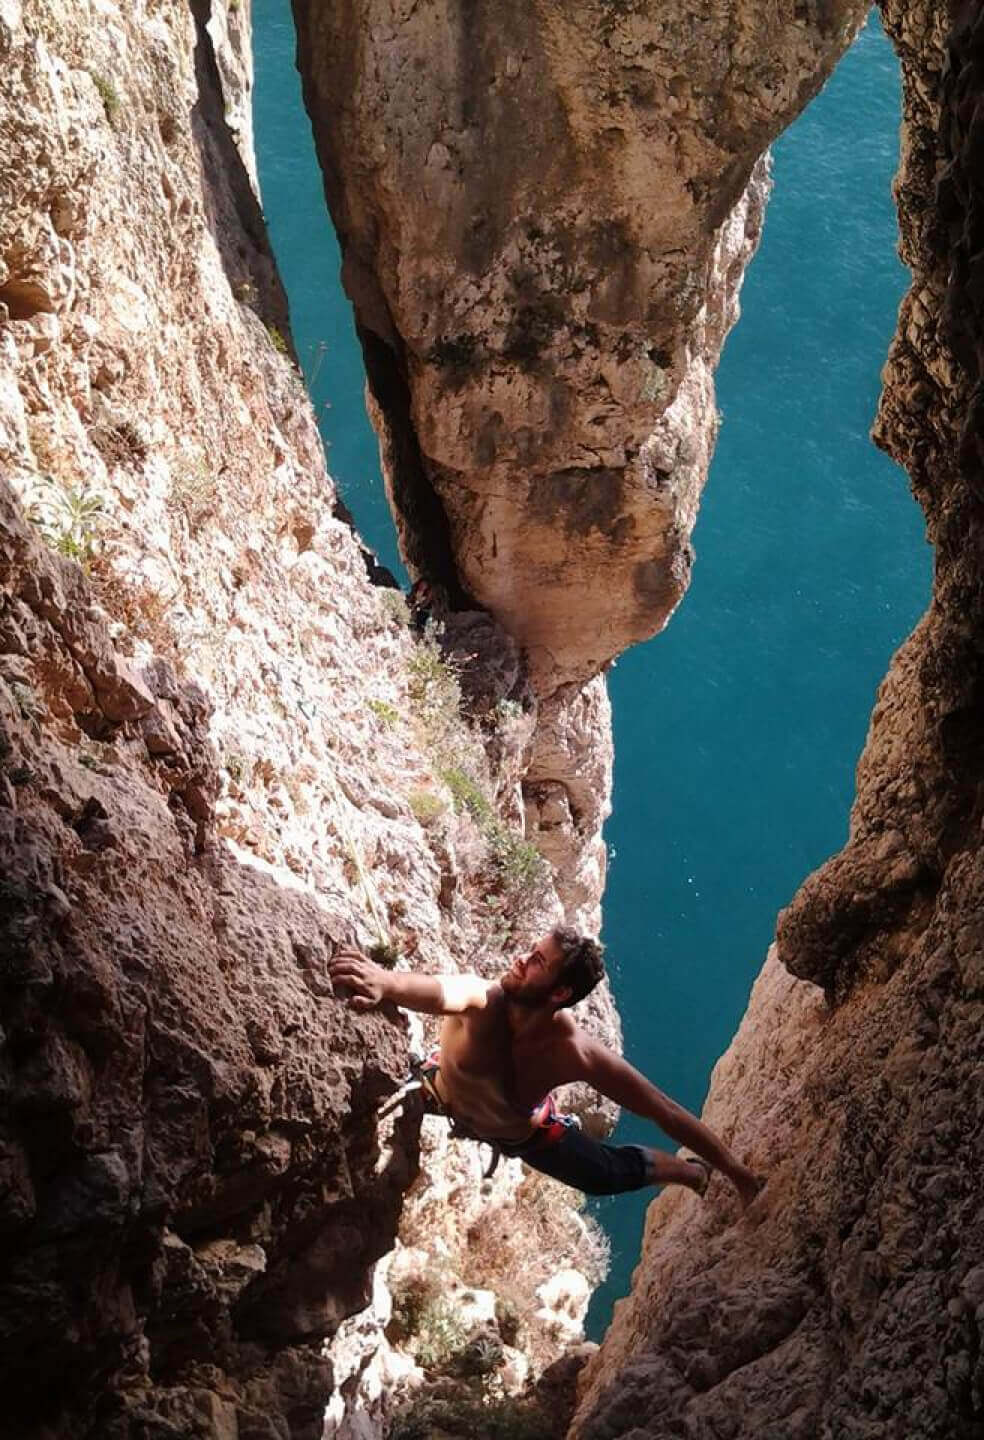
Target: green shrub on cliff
(424, 1317)
(426, 806)
(441, 1338)
(387, 713)
(277, 339)
(521, 870)
(470, 1413)
(516, 872)
(434, 692)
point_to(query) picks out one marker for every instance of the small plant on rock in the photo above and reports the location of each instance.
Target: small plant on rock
(409, 1294)
(386, 712)
(109, 96)
(521, 869)
(394, 605)
(508, 1319)
(125, 442)
(236, 767)
(194, 490)
(480, 1356)
(384, 953)
(434, 689)
(277, 339)
(507, 712)
(70, 519)
(426, 806)
(27, 702)
(441, 1336)
(467, 794)
(424, 1318)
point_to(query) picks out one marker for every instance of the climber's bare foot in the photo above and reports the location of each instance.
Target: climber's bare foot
(671, 1170)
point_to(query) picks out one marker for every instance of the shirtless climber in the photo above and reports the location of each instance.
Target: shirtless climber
(506, 1044)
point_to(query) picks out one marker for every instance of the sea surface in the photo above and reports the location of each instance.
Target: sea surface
(738, 729)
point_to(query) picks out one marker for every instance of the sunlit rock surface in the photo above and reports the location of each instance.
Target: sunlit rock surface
(217, 750)
(545, 211)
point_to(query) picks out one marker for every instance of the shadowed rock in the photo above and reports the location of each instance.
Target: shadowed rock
(846, 1303)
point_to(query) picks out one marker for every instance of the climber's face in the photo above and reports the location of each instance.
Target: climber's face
(531, 979)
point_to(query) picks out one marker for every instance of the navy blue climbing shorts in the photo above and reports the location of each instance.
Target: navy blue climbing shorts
(575, 1159)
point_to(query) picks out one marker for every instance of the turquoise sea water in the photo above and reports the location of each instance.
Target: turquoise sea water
(738, 729)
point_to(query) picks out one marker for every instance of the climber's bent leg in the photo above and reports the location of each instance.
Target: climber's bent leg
(589, 1165)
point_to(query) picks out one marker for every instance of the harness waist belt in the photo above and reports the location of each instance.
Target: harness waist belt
(548, 1124)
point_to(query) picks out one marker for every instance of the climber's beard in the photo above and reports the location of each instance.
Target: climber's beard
(530, 994)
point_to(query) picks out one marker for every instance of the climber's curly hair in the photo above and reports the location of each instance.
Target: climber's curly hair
(583, 965)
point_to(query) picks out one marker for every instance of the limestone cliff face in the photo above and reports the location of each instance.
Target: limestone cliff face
(221, 754)
(194, 1180)
(545, 211)
(850, 1300)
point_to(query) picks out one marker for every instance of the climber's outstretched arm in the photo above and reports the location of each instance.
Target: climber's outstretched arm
(615, 1078)
(370, 984)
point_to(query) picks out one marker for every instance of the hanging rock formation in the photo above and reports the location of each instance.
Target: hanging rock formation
(850, 1301)
(545, 211)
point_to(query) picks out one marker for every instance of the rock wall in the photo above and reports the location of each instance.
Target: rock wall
(219, 757)
(195, 1183)
(222, 752)
(849, 1301)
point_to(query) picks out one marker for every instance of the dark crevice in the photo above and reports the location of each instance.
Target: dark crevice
(378, 573)
(239, 230)
(422, 520)
(24, 299)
